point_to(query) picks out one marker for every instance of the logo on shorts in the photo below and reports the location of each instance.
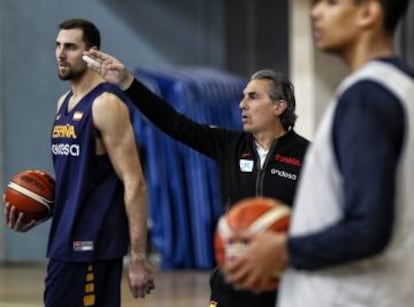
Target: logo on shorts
(82, 246)
(213, 304)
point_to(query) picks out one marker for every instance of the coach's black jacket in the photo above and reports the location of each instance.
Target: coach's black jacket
(240, 174)
(228, 148)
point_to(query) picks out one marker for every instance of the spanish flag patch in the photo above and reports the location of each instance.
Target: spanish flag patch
(77, 116)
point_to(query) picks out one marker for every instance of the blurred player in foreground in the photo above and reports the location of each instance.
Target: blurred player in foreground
(351, 241)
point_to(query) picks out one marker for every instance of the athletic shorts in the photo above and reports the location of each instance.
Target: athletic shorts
(224, 294)
(77, 284)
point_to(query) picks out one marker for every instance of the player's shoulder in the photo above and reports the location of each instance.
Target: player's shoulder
(385, 74)
(108, 103)
(106, 87)
(110, 94)
(369, 95)
(371, 85)
(370, 98)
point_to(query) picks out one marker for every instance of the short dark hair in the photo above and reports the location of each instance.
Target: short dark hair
(281, 88)
(91, 35)
(394, 10)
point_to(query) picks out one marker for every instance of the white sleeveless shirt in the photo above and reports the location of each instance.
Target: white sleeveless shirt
(384, 280)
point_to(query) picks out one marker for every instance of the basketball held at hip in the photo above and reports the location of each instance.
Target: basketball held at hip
(32, 193)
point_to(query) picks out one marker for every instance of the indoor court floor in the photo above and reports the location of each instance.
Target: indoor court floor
(22, 286)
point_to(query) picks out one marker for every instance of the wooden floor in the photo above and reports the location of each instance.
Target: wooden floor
(22, 286)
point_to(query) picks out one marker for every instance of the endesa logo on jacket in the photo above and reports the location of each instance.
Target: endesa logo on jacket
(283, 174)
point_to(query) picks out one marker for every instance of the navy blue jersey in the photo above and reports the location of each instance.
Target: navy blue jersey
(89, 218)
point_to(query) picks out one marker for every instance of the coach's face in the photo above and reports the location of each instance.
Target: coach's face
(69, 51)
(259, 112)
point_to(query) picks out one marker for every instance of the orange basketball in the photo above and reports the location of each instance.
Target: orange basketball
(256, 214)
(32, 193)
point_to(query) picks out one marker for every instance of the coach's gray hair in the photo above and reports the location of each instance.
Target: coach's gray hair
(281, 88)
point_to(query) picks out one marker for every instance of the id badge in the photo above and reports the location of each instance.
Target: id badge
(246, 166)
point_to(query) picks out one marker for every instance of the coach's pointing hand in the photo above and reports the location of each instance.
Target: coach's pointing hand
(111, 69)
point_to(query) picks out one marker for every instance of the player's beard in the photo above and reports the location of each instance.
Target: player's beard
(71, 74)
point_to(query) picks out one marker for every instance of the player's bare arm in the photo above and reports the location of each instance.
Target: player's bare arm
(111, 118)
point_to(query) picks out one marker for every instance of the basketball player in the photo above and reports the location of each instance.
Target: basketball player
(351, 242)
(100, 192)
(264, 160)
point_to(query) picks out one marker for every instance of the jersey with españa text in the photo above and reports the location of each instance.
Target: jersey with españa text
(89, 218)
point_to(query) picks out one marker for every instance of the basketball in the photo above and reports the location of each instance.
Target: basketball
(255, 215)
(32, 193)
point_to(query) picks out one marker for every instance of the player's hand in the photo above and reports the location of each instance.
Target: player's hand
(141, 281)
(16, 220)
(264, 258)
(110, 68)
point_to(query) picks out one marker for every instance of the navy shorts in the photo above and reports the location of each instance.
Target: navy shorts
(77, 284)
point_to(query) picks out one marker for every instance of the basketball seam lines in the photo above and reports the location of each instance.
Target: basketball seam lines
(259, 225)
(265, 220)
(224, 228)
(30, 194)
